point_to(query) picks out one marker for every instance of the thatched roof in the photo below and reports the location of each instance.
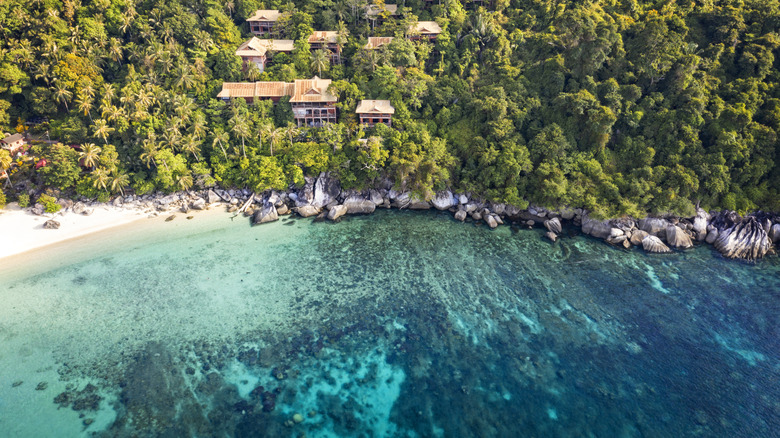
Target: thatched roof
(377, 42)
(312, 90)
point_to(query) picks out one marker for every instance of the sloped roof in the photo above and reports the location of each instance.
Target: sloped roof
(265, 15)
(428, 27)
(312, 90)
(377, 42)
(375, 107)
(324, 36)
(374, 10)
(255, 89)
(12, 138)
(258, 47)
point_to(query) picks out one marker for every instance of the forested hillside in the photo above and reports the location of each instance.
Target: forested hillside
(621, 106)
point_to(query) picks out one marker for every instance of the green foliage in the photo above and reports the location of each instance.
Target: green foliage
(2, 199)
(49, 203)
(24, 200)
(618, 107)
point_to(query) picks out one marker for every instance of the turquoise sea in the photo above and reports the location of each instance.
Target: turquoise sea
(397, 324)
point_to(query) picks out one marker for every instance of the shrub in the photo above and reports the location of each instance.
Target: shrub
(49, 203)
(24, 200)
(2, 199)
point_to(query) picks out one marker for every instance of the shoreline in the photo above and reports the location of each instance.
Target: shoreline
(752, 237)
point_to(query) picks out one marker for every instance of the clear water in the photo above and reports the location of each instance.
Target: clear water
(395, 324)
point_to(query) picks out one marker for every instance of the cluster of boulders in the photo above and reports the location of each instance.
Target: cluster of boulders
(750, 237)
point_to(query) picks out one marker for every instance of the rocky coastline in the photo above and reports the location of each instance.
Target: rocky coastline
(749, 238)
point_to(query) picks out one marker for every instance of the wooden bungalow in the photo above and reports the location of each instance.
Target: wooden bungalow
(377, 13)
(312, 104)
(377, 42)
(259, 52)
(251, 91)
(372, 112)
(263, 21)
(328, 41)
(13, 143)
(428, 30)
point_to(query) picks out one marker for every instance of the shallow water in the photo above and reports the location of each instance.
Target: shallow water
(394, 324)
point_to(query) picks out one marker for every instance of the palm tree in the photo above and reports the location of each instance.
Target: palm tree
(191, 145)
(90, 155)
(220, 138)
(62, 94)
(100, 177)
(102, 130)
(266, 130)
(276, 135)
(184, 181)
(115, 50)
(150, 146)
(241, 129)
(119, 182)
(185, 79)
(319, 60)
(5, 163)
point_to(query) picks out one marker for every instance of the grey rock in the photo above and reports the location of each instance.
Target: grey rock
(552, 236)
(653, 244)
(637, 236)
(774, 233)
(567, 213)
(744, 240)
(359, 205)
(700, 222)
(654, 226)
(282, 210)
(461, 215)
(326, 190)
(471, 207)
(199, 204)
(78, 208)
(264, 215)
(444, 200)
(376, 197)
(337, 211)
(118, 201)
(308, 210)
(512, 212)
(51, 224)
(185, 208)
(419, 204)
(677, 238)
(213, 197)
(498, 219)
(595, 228)
(477, 216)
(498, 209)
(491, 221)
(463, 199)
(400, 200)
(529, 223)
(38, 209)
(712, 236)
(616, 232)
(553, 225)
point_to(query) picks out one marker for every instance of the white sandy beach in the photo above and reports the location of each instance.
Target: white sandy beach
(22, 231)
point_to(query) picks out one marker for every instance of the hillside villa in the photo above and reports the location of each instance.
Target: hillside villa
(372, 112)
(263, 21)
(312, 104)
(259, 52)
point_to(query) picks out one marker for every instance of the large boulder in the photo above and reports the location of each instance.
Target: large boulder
(553, 225)
(78, 208)
(461, 215)
(744, 240)
(51, 224)
(774, 233)
(655, 226)
(376, 197)
(212, 197)
(567, 213)
(712, 236)
(326, 190)
(400, 200)
(637, 236)
(653, 244)
(308, 210)
(700, 223)
(359, 205)
(677, 238)
(552, 236)
(336, 212)
(491, 221)
(444, 200)
(264, 215)
(199, 204)
(419, 204)
(595, 228)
